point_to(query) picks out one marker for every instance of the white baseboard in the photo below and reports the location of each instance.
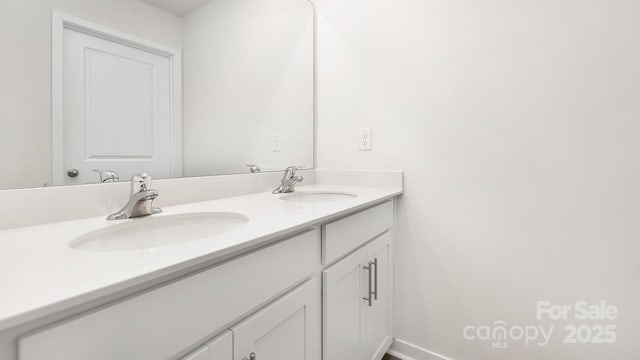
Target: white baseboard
(406, 351)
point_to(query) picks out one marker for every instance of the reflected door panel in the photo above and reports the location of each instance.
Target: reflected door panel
(117, 110)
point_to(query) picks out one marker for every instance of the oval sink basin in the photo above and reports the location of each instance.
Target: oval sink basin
(156, 231)
(317, 196)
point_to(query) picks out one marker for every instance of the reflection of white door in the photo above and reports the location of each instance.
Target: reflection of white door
(118, 108)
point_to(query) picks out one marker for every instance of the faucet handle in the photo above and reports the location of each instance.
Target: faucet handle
(290, 171)
(140, 182)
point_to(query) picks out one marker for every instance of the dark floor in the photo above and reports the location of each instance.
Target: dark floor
(389, 357)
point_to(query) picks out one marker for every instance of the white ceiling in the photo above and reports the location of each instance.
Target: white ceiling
(178, 7)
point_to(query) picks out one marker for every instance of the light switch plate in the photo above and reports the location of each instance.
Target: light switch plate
(276, 142)
(364, 139)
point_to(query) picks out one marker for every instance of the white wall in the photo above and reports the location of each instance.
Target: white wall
(25, 85)
(248, 73)
(517, 126)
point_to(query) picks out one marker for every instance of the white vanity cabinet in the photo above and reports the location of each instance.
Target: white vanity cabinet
(343, 308)
(323, 294)
(287, 329)
(358, 289)
(220, 348)
(202, 353)
(378, 316)
(167, 320)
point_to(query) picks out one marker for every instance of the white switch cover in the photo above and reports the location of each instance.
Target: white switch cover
(276, 142)
(364, 139)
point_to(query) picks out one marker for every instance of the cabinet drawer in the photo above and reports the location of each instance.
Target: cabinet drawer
(165, 321)
(345, 235)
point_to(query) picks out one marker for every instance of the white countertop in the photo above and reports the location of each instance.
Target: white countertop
(40, 274)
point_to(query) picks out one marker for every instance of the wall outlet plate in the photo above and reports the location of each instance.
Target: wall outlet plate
(364, 139)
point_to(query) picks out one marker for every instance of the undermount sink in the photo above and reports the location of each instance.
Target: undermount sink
(156, 231)
(317, 196)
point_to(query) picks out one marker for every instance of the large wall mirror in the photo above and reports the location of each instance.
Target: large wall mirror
(98, 90)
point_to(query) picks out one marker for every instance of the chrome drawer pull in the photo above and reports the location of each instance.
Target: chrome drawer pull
(370, 293)
(375, 276)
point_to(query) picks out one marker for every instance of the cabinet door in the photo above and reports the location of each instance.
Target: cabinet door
(343, 308)
(201, 353)
(287, 329)
(220, 348)
(379, 334)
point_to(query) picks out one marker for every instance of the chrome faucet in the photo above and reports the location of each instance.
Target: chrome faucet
(140, 200)
(254, 168)
(289, 180)
(107, 176)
